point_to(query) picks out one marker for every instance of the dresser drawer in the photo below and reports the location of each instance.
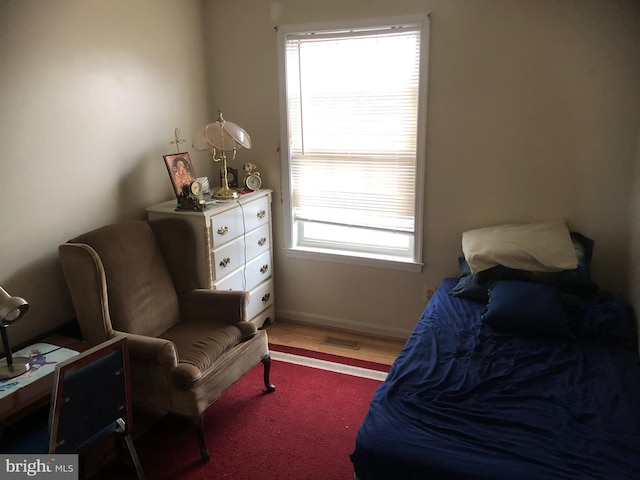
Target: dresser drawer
(260, 298)
(228, 258)
(229, 225)
(257, 242)
(256, 213)
(231, 256)
(257, 271)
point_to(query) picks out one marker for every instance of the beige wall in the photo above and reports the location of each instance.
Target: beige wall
(533, 113)
(90, 94)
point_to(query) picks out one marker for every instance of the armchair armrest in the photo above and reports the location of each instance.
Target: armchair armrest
(151, 349)
(221, 306)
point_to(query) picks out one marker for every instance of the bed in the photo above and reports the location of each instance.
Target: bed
(524, 380)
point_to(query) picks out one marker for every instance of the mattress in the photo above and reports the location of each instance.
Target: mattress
(465, 401)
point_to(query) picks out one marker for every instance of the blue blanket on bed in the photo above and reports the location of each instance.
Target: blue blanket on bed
(464, 401)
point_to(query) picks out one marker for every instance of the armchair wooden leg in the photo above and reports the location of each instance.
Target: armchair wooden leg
(266, 362)
(198, 422)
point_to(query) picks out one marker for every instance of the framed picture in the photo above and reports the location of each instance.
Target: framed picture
(181, 172)
(232, 177)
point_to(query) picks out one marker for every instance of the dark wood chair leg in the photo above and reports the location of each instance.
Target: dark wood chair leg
(266, 362)
(134, 456)
(198, 422)
(128, 455)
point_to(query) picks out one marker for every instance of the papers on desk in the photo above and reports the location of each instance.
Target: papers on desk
(42, 361)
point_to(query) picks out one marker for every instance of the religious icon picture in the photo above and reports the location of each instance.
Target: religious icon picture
(181, 172)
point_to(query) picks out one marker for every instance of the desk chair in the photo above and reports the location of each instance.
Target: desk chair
(91, 399)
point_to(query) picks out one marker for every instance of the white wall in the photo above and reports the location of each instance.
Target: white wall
(90, 94)
(534, 112)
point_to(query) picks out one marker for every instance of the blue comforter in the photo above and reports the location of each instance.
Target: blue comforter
(465, 401)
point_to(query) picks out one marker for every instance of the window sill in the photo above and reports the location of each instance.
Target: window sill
(349, 258)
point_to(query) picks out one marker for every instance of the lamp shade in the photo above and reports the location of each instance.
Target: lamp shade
(221, 135)
(11, 308)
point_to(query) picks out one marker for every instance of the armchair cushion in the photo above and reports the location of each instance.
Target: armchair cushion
(199, 347)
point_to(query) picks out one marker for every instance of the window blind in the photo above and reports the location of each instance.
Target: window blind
(352, 101)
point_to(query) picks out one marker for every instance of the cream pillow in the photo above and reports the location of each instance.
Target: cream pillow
(537, 247)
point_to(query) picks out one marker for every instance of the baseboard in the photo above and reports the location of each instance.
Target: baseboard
(342, 324)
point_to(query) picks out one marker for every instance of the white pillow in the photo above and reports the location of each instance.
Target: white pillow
(537, 247)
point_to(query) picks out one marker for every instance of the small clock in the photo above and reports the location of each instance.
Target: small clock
(252, 179)
(191, 198)
(195, 188)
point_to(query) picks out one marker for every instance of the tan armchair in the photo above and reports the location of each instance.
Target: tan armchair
(187, 345)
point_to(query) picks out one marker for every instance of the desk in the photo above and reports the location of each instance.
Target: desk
(38, 393)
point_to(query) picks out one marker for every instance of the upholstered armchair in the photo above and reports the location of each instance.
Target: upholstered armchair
(187, 345)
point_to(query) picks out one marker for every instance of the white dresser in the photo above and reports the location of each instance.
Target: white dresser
(234, 248)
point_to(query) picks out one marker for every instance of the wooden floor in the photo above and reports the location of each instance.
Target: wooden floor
(337, 342)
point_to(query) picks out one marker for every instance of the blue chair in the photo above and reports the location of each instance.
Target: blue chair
(91, 399)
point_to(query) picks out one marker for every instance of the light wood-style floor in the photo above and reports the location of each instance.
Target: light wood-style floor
(371, 348)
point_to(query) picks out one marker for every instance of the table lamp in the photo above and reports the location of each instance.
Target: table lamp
(11, 310)
(222, 136)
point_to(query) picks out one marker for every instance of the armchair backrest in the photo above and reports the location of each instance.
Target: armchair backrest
(119, 277)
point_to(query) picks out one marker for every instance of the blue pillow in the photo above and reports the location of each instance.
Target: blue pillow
(528, 308)
(468, 286)
(577, 281)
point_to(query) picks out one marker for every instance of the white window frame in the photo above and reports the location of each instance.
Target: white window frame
(296, 249)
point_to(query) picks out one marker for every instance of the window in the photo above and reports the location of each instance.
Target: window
(353, 124)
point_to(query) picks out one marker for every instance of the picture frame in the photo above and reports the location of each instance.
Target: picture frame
(181, 172)
(232, 177)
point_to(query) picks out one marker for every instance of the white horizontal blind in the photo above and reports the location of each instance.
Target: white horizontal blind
(352, 99)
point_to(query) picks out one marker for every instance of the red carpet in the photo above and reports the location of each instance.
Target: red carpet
(305, 430)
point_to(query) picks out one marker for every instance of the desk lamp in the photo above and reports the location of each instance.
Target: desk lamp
(11, 310)
(222, 136)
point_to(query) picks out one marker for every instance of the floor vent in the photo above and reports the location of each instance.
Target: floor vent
(342, 343)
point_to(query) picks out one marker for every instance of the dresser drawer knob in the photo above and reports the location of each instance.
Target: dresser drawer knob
(223, 230)
(266, 297)
(261, 214)
(264, 269)
(262, 241)
(225, 262)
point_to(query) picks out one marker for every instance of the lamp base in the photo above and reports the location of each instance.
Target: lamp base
(20, 366)
(225, 193)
